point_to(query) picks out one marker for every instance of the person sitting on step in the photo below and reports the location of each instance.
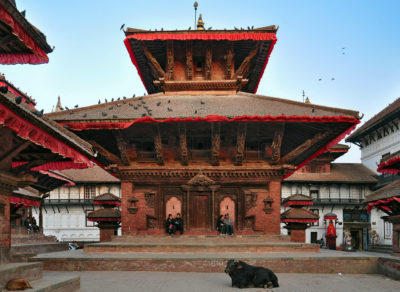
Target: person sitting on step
(228, 224)
(178, 223)
(220, 225)
(169, 225)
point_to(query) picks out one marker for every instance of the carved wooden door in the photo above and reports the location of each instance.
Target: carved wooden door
(200, 211)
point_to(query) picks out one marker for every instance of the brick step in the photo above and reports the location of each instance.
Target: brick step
(56, 284)
(201, 238)
(21, 257)
(225, 246)
(27, 271)
(206, 263)
(31, 238)
(38, 248)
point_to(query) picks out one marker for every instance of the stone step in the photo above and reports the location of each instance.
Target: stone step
(56, 284)
(21, 257)
(25, 238)
(335, 262)
(28, 271)
(381, 248)
(38, 248)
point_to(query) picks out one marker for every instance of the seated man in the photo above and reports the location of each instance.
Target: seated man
(228, 224)
(178, 223)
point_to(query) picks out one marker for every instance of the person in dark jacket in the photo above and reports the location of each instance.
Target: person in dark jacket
(169, 225)
(178, 223)
(220, 225)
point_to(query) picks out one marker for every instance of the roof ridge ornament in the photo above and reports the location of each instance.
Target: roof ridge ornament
(200, 23)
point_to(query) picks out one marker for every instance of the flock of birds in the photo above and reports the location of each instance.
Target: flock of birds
(190, 28)
(343, 51)
(136, 104)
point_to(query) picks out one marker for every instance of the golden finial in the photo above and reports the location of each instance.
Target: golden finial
(307, 100)
(58, 106)
(200, 23)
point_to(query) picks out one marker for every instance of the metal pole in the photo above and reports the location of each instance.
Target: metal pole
(195, 13)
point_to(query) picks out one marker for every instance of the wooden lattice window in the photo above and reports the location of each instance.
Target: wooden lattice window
(89, 192)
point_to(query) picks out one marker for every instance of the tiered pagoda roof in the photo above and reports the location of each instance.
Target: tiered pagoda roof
(21, 42)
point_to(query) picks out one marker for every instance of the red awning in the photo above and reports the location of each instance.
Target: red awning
(300, 220)
(28, 131)
(56, 165)
(297, 203)
(37, 57)
(382, 203)
(24, 201)
(386, 167)
(233, 36)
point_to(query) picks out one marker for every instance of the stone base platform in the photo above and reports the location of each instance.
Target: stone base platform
(325, 262)
(33, 273)
(200, 244)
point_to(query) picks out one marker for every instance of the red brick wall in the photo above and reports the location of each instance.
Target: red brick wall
(5, 229)
(297, 235)
(269, 223)
(106, 234)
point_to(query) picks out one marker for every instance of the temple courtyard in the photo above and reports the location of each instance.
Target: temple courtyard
(171, 281)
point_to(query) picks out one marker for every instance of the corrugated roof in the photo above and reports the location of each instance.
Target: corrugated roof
(94, 174)
(392, 190)
(340, 172)
(163, 106)
(298, 213)
(375, 120)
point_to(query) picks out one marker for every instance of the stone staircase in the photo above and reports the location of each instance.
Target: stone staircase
(33, 273)
(25, 245)
(201, 244)
(382, 248)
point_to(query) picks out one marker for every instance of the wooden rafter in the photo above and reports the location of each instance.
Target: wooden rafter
(240, 143)
(215, 143)
(304, 146)
(158, 145)
(6, 158)
(228, 63)
(27, 166)
(277, 143)
(155, 67)
(104, 152)
(121, 144)
(244, 68)
(183, 145)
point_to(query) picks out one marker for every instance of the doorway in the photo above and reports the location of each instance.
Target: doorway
(200, 211)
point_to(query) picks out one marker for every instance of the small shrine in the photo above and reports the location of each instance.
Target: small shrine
(298, 219)
(331, 230)
(108, 218)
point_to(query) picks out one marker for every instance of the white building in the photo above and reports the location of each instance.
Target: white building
(64, 211)
(377, 138)
(335, 187)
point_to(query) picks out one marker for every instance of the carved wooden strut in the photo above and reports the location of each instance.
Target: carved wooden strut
(240, 143)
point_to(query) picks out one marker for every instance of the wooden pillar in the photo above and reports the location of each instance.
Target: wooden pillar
(5, 227)
(41, 215)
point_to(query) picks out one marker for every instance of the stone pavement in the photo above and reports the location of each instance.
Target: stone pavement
(205, 282)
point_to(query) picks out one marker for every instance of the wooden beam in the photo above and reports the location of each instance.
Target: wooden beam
(121, 144)
(244, 68)
(170, 60)
(104, 152)
(215, 143)
(183, 145)
(155, 67)
(277, 143)
(304, 146)
(158, 145)
(189, 60)
(6, 157)
(240, 143)
(208, 63)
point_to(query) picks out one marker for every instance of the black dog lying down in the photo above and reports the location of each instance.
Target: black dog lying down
(245, 276)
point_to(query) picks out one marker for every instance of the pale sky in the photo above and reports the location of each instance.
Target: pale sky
(355, 42)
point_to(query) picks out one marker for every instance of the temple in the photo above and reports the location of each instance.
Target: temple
(203, 143)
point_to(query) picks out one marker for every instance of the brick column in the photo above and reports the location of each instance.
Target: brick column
(5, 227)
(273, 225)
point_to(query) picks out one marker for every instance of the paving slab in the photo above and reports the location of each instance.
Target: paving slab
(220, 282)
